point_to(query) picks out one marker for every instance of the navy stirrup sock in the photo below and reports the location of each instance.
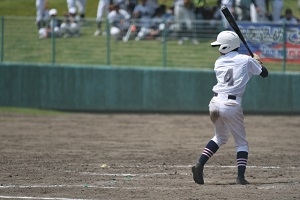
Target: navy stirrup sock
(210, 149)
(241, 159)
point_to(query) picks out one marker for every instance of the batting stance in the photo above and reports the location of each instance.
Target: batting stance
(233, 71)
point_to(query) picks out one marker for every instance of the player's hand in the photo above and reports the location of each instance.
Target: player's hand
(257, 58)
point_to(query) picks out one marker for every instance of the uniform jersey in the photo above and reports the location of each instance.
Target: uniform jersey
(233, 71)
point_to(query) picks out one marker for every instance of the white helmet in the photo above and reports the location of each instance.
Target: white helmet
(228, 41)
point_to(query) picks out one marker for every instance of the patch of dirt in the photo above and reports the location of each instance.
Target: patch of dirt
(136, 156)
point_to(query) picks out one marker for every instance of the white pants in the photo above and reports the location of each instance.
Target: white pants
(229, 118)
(277, 6)
(261, 15)
(184, 15)
(40, 10)
(103, 7)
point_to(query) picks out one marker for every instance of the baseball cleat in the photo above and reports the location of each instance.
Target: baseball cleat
(198, 174)
(241, 181)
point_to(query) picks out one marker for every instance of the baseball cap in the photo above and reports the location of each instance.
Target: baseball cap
(53, 12)
(72, 10)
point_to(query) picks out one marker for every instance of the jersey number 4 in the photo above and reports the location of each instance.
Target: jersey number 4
(228, 78)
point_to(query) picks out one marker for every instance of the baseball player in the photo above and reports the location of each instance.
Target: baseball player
(80, 5)
(70, 26)
(103, 8)
(230, 4)
(184, 14)
(119, 21)
(258, 13)
(233, 71)
(41, 13)
(277, 6)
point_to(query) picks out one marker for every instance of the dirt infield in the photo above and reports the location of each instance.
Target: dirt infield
(121, 156)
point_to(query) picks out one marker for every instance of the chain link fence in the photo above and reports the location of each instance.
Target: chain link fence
(20, 42)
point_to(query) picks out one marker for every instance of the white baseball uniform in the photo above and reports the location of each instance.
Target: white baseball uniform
(277, 6)
(119, 22)
(42, 14)
(103, 7)
(79, 4)
(233, 71)
(261, 15)
(230, 4)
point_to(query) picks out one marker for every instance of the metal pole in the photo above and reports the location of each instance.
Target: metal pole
(107, 43)
(164, 40)
(53, 41)
(284, 47)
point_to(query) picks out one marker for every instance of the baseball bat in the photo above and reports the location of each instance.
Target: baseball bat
(235, 27)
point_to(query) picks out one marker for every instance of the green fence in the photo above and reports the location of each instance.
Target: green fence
(20, 44)
(107, 89)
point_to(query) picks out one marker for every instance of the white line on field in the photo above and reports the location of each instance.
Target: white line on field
(43, 198)
(186, 166)
(42, 186)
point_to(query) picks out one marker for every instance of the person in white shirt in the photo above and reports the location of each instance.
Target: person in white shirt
(143, 12)
(233, 71)
(119, 20)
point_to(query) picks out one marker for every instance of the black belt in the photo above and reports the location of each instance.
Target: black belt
(229, 96)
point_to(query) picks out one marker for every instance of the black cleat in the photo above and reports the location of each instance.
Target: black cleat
(241, 181)
(198, 174)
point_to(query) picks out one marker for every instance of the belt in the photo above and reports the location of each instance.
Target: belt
(229, 96)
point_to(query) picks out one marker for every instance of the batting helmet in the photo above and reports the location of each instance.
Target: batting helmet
(228, 41)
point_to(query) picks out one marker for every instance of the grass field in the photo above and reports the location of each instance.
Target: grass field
(21, 43)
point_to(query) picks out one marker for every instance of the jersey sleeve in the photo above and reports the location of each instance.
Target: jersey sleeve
(254, 67)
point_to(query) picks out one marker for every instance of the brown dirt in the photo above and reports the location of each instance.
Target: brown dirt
(135, 156)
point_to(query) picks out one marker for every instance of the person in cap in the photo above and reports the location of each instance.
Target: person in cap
(70, 26)
(119, 20)
(52, 27)
(80, 5)
(233, 71)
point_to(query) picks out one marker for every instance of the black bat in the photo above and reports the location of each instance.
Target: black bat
(235, 27)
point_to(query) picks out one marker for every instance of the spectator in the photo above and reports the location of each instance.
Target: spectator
(42, 13)
(184, 15)
(289, 17)
(53, 26)
(230, 4)
(243, 8)
(157, 22)
(70, 26)
(259, 13)
(103, 8)
(144, 13)
(277, 6)
(123, 4)
(80, 5)
(119, 21)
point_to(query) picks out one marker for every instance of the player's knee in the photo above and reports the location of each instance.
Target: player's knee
(220, 140)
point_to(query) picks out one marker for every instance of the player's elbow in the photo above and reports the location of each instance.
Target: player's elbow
(264, 72)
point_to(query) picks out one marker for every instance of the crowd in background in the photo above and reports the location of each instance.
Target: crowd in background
(149, 19)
